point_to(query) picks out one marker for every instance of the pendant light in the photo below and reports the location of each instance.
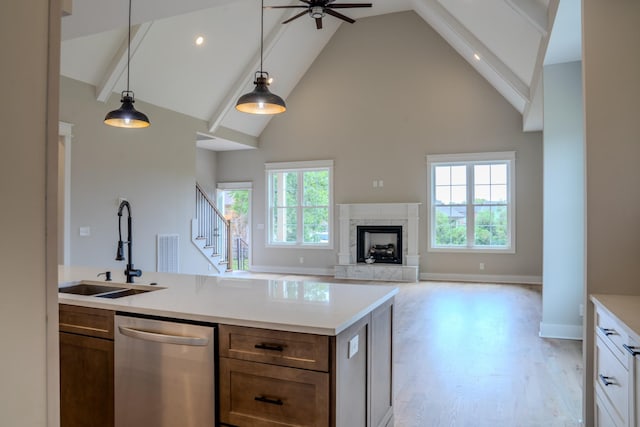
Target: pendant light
(127, 116)
(260, 100)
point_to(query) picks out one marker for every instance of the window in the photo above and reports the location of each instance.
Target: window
(300, 196)
(471, 202)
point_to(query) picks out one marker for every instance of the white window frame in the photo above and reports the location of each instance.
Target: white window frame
(302, 166)
(467, 159)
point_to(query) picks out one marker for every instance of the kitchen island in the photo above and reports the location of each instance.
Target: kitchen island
(325, 343)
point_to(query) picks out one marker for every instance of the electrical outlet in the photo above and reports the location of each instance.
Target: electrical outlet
(353, 346)
(85, 231)
(482, 266)
(581, 310)
(380, 183)
(375, 183)
(301, 259)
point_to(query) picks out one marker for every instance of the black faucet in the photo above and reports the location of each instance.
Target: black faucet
(130, 272)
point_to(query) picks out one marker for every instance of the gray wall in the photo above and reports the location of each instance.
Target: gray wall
(383, 94)
(612, 128)
(564, 202)
(206, 171)
(28, 158)
(154, 168)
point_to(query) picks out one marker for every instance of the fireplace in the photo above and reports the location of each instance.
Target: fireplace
(380, 243)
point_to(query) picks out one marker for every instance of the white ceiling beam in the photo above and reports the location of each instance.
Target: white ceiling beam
(119, 62)
(67, 7)
(239, 86)
(533, 12)
(532, 117)
(497, 73)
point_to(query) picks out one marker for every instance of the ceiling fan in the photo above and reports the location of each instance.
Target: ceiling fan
(317, 9)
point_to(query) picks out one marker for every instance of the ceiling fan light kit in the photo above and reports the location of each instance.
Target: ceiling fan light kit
(261, 100)
(127, 116)
(317, 9)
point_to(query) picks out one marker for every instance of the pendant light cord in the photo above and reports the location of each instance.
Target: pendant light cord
(129, 47)
(261, 34)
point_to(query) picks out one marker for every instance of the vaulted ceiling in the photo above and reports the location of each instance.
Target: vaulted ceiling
(506, 41)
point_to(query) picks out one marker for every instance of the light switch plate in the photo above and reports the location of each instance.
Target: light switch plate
(85, 231)
(353, 346)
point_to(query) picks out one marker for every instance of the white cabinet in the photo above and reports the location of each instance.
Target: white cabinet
(616, 370)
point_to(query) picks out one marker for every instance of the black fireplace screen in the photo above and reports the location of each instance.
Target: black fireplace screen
(379, 243)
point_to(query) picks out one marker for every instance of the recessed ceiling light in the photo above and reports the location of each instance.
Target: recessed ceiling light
(199, 40)
(475, 55)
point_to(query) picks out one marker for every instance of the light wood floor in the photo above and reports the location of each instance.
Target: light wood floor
(469, 355)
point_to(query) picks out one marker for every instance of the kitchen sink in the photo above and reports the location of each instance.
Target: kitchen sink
(89, 289)
(104, 291)
(124, 293)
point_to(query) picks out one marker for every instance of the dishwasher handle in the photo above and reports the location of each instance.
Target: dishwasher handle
(163, 338)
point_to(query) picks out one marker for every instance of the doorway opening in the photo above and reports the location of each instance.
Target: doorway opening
(234, 201)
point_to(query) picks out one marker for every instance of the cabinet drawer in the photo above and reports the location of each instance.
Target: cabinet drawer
(612, 334)
(292, 349)
(93, 322)
(612, 381)
(256, 394)
(602, 416)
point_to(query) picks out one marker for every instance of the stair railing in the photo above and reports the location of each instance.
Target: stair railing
(213, 227)
(241, 251)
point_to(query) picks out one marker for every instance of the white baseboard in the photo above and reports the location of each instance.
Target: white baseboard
(311, 271)
(554, 330)
(483, 278)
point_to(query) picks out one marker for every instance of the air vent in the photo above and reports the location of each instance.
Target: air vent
(168, 249)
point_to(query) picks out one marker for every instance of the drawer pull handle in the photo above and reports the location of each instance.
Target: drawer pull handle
(264, 399)
(606, 380)
(607, 331)
(633, 350)
(270, 347)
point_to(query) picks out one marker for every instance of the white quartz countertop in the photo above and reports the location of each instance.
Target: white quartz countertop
(625, 308)
(287, 305)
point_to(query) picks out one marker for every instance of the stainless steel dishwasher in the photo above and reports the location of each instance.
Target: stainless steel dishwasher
(164, 373)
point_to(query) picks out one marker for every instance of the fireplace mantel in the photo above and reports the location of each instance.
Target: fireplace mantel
(354, 214)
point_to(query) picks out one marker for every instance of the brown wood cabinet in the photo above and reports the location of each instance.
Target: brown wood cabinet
(273, 378)
(86, 367)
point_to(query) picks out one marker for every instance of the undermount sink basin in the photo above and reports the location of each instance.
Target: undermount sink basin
(103, 291)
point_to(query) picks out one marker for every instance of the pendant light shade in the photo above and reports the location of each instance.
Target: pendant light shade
(127, 116)
(261, 100)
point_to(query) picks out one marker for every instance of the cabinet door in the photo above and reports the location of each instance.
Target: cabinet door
(636, 388)
(380, 372)
(86, 381)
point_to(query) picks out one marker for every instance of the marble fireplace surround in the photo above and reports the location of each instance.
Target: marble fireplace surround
(355, 214)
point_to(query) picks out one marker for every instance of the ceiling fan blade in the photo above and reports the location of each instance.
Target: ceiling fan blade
(295, 17)
(286, 7)
(347, 5)
(339, 16)
(318, 23)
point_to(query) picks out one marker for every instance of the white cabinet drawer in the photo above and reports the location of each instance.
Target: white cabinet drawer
(602, 416)
(612, 382)
(612, 334)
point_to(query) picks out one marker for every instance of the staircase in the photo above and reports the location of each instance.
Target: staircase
(211, 233)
